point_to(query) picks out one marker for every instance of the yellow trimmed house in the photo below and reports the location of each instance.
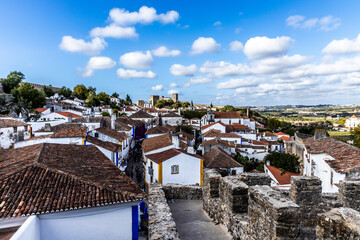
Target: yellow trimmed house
(174, 166)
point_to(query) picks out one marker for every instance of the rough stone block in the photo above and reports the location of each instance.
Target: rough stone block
(252, 179)
(349, 194)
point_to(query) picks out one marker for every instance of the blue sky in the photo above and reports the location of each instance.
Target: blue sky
(286, 52)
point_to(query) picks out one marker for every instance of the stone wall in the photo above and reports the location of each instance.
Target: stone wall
(250, 209)
(349, 194)
(161, 224)
(178, 191)
(339, 223)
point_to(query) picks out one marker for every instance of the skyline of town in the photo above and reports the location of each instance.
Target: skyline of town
(274, 54)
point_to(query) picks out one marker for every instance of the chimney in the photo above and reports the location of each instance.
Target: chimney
(88, 118)
(191, 150)
(176, 141)
(113, 119)
(268, 163)
(320, 133)
(47, 127)
(69, 118)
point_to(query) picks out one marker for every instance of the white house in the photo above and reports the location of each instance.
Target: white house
(219, 126)
(352, 122)
(107, 109)
(331, 161)
(174, 166)
(12, 131)
(158, 130)
(72, 192)
(279, 179)
(228, 118)
(115, 100)
(43, 112)
(269, 136)
(231, 137)
(172, 119)
(143, 116)
(67, 116)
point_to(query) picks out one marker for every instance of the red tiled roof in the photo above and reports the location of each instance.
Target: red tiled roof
(227, 115)
(212, 124)
(71, 131)
(280, 133)
(270, 134)
(218, 158)
(41, 110)
(5, 123)
(141, 115)
(236, 127)
(158, 142)
(286, 139)
(346, 157)
(112, 133)
(215, 133)
(218, 141)
(107, 145)
(260, 142)
(282, 179)
(66, 114)
(45, 178)
(171, 115)
(167, 154)
(129, 109)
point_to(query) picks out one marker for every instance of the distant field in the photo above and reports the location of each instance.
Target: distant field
(341, 136)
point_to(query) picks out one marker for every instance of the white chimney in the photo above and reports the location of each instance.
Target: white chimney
(113, 119)
(69, 118)
(268, 163)
(176, 141)
(88, 118)
(191, 150)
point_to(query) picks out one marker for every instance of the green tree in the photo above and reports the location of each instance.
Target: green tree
(342, 121)
(91, 89)
(128, 99)
(80, 91)
(104, 98)
(105, 114)
(186, 105)
(48, 91)
(115, 94)
(92, 100)
(228, 108)
(28, 97)
(356, 135)
(286, 161)
(64, 91)
(273, 123)
(12, 81)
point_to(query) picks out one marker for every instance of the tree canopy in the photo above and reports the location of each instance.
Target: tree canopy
(48, 91)
(28, 97)
(80, 91)
(64, 91)
(285, 161)
(115, 94)
(356, 133)
(12, 81)
(103, 98)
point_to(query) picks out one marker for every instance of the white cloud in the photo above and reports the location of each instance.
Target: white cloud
(157, 88)
(137, 60)
(97, 63)
(217, 23)
(236, 46)
(326, 23)
(343, 46)
(165, 52)
(202, 45)
(70, 44)
(173, 85)
(222, 69)
(198, 80)
(180, 70)
(128, 74)
(171, 91)
(260, 47)
(145, 15)
(239, 82)
(114, 31)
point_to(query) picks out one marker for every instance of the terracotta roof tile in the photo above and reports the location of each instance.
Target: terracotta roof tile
(158, 142)
(170, 115)
(141, 115)
(40, 110)
(286, 139)
(107, 145)
(212, 124)
(72, 131)
(346, 157)
(44, 178)
(281, 178)
(5, 123)
(112, 133)
(157, 130)
(218, 158)
(214, 133)
(66, 114)
(167, 154)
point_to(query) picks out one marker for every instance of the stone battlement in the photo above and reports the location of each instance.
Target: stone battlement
(250, 209)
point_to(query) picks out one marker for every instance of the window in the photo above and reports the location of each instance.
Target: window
(96, 135)
(15, 129)
(175, 169)
(26, 128)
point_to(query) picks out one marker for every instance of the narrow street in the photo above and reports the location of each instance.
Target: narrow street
(193, 223)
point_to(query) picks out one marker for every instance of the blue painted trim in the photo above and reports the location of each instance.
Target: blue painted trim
(133, 132)
(117, 159)
(135, 222)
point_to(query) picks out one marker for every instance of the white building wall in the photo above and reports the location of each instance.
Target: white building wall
(172, 121)
(217, 126)
(38, 125)
(8, 135)
(73, 141)
(29, 230)
(189, 170)
(107, 223)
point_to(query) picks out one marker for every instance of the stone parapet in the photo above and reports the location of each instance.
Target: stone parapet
(349, 194)
(161, 224)
(178, 191)
(252, 179)
(339, 223)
